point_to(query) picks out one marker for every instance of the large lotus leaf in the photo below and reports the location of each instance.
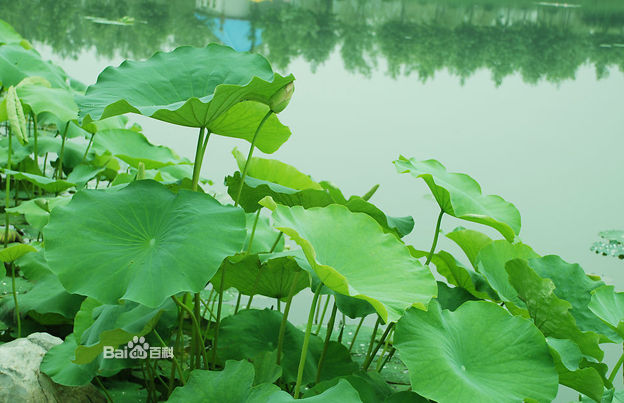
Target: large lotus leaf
(56, 101)
(406, 396)
(264, 235)
(17, 63)
(457, 357)
(342, 392)
(608, 305)
(73, 152)
(83, 173)
(574, 286)
(141, 243)
(470, 241)
(549, 313)
(8, 35)
(609, 396)
(491, 263)
(232, 385)
(113, 325)
(58, 364)
(133, 148)
(251, 332)
(194, 87)
(568, 357)
(452, 298)
(460, 196)
(377, 268)
(273, 278)
(37, 211)
(45, 183)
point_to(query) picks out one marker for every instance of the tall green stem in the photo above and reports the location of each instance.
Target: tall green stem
(320, 323)
(355, 335)
(217, 325)
(251, 150)
(616, 368)
(370, 358)
(59, 167)
(372, 340)
(380, 361)
(195, 323)
(253, 232)
(330, 328)
(435, 238)
(17, 311)
(7, 200)
(202, 142)
(306, 341)
(282, 331)
(36, 138)
(84, 156)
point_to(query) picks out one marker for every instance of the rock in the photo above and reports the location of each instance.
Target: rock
(21, 381)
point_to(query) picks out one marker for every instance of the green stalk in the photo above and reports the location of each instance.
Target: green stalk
(7, 200)
(388, 358)
(616, 368)
(383, 352)
(198, 157)
(306, 341)
(197, 332)
(435, 238)
(343, 323)
(84, 156)
(318, 312)
(253, 232)
(330, 328)
(59, 167)
(36, 137)
(372, 340)
(217, 325)
(320, 323)
(176, 365)
(276, 242)
(195, 323)
(99, 382)
(282, 331)
(251, 150)
(357, 330)
(370, 358)
(17, 311)
(238, 302)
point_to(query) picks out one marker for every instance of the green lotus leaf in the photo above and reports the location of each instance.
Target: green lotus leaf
(233, 384)
(574, 286)
(452, 298)
(251, 332)
(19, 151)
(114, 325)
(56, 101)
(47, 296)
(458, 275)
(145, 243)
(608, 305)
(460, 196)
(134, 148)
(272, 278)
(72, 152)
(58, 364)
(568, 357)
(8, 35)
(45, 183)
(15, 251)
(378, 268)
(609, 396)
(371, 387)
(264, 236)
(470, 241)
(267, 371)
(549, 313)
(342, 392)
(406, 397)
(491, 264)
(17, 63)
(83, 173)
(456, 357)
(196, 87)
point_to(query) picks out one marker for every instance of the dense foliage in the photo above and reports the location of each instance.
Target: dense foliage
(112, 242)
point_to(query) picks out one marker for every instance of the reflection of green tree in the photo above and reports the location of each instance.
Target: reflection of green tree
(417, 37)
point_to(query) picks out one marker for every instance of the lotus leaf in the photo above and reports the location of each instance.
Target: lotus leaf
(456, 357)
(197, 87)
(45, 183)
(15, 251)
(470, 241)
(608, 305)
(342, 392)
(8, 35)
(145, 245)
(56, 101)
(549, 313)
(17, 63)
(378, 268)
(460, 196)
(233, 384)
(371, 387)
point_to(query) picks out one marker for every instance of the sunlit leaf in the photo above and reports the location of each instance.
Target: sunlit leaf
(17, 63)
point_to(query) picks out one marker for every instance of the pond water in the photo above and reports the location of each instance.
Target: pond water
(525, 97)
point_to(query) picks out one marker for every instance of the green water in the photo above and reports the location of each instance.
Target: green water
(525, 97)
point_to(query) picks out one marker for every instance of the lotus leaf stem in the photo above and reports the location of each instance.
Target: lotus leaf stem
(238, 302)
(330, 328)
(17, 311)
(617, 366)
(195, 323)
(218, 323)
(7, 200)
(371, 343)
(251, 150)
(59, 167)
(370, 358)
(276, 242)
(253, 232)
(355, 335)
(306, 341)
(388, 358)
(176, 364)
(84, 156)
(282, 331)
(435, 238)
(320, 323)
(383, 352)
(99, 382)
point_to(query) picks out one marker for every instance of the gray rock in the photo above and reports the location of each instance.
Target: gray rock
(21, 381)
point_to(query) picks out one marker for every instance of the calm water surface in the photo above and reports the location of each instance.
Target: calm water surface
(527, 98)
